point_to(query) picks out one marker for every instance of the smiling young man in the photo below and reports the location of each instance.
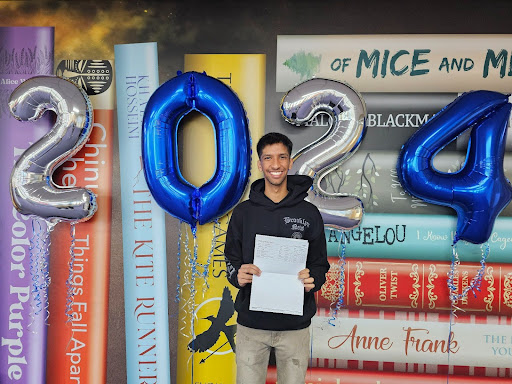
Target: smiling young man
(276, 207)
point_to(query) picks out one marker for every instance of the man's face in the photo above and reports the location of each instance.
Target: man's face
(275, 162)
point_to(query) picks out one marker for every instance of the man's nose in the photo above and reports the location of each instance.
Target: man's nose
(275, 163)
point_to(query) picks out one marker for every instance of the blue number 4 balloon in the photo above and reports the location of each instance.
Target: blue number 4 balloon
(480, 190)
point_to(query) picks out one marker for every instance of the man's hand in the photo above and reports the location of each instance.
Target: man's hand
(307, 280)
(246, 272)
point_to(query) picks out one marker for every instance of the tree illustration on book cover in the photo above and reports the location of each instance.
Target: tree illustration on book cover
(304, 64)
(20, 61)
(337, 180)
(26, 61)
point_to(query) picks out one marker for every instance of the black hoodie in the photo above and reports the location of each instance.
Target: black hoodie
(292, 217)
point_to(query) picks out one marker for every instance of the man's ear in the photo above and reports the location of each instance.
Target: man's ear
(291, 164)
(259, 166)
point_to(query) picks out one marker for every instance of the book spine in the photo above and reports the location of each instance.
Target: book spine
(416, 237)
(329, 375)
(366, 61)
(144, 241)
(393, 103)
(393, 117)
(245, 74)
(372, 177)
(471, 343)
(416, 286)
(24, 52)
(78, 348)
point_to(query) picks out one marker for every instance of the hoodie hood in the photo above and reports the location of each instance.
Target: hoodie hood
(298, 187)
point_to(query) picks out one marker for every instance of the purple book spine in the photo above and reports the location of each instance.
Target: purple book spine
(24, 52)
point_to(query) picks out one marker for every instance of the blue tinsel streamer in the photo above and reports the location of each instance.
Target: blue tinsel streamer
(39, 266)
(341, 264)
(69, 282)
(473, 286)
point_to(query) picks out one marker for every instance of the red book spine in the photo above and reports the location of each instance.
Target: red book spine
(416, 285)
(77, 335)
(350, 376)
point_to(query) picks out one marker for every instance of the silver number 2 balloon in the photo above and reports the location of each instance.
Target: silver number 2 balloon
(347, 110)
(32, 189)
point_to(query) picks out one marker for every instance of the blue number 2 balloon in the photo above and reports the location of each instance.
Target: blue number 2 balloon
(480, 190)
(167, 106)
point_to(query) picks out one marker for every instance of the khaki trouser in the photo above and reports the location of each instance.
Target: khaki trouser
(253, 351)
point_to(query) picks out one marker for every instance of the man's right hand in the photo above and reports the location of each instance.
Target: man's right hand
(246, 272)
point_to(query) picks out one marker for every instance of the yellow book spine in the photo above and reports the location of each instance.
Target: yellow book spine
(245, 74)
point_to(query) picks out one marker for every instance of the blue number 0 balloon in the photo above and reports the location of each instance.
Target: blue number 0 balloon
(480, 190)
(167, 106)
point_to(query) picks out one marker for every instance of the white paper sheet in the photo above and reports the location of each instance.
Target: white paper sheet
(278, 289)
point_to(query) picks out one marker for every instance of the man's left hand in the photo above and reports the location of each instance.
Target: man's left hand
(307, 280)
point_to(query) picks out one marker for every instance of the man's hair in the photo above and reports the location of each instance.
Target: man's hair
(274, 138)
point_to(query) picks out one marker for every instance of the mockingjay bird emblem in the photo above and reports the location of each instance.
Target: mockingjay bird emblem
(208, 338)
